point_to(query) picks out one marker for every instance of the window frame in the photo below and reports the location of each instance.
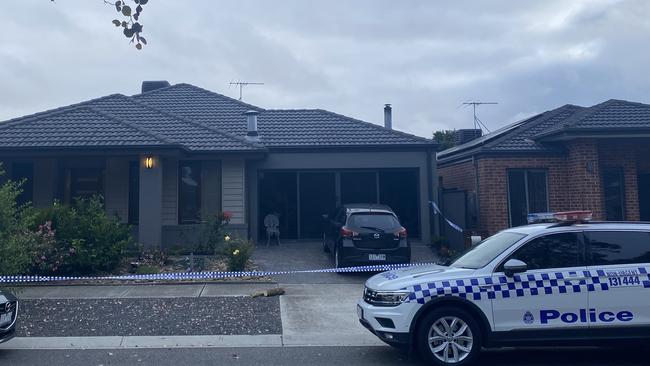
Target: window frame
(181, 164)
(588, 251)
(582, 250)
(527, 196)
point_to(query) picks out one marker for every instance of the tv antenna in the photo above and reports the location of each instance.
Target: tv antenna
(477, 122)
(242, 84)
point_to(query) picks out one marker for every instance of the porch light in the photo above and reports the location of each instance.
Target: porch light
(148, 162)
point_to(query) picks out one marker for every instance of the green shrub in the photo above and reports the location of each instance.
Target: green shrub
(14, 254)
(214, 231)
(96, 240)
(238, 252)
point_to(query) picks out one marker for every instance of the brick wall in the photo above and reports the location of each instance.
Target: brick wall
(458, 176)
(575, 180)
(585, 182)
(493, 187)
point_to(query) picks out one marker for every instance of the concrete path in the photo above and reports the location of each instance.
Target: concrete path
(323, 315)
(309, 255)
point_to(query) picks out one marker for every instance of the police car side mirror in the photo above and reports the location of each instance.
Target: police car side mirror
(513, 266)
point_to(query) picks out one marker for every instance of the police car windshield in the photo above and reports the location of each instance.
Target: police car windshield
(484, 252)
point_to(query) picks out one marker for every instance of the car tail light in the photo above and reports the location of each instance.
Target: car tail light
(347, 233)
(401, 233)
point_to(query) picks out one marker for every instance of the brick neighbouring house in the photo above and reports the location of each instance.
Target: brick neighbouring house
(569, 158)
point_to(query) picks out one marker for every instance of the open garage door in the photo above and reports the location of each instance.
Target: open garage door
(300, 198)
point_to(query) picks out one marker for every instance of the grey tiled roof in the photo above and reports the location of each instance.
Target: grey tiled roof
(517, 137)
(77, 126)
(613, 114)
(536, 134)
(194, 119)
(191, 135)
(277, 128)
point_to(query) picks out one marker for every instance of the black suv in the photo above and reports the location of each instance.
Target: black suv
(8, 315)
(365, 234)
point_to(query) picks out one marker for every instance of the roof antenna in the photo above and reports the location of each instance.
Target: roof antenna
(477, 122)
(242, 84)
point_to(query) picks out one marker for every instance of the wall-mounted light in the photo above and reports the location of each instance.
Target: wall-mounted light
(148, 162)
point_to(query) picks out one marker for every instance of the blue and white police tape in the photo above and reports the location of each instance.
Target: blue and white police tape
(437, 211)
(204, 275)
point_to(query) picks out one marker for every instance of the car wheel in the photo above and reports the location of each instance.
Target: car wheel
(326, 249)
(449, 336)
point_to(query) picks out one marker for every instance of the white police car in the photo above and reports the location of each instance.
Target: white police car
(571, 281)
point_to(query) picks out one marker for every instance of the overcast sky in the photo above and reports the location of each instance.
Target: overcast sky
(425, 57)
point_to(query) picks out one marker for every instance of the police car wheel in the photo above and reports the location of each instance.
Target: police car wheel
(449, 336)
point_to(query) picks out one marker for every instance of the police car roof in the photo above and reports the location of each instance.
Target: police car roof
(593, 225)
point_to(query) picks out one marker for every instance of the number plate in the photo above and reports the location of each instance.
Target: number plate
(377, 257)
(5, 319)
(359, 312)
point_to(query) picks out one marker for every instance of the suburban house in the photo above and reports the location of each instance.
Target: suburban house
(569, 158)
(166, 159)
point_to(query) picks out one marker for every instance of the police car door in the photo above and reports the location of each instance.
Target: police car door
(550, 293)
(620, 293)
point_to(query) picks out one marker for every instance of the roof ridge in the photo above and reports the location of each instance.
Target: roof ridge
(378, 127)
(542, 117)
(198, 124)
(575, 118)
(111, 116)
(55, 111)
(202, 90)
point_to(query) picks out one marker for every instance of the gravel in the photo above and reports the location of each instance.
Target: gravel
(149, 317)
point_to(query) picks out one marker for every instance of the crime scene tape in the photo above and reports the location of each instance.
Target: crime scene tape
(205, 275)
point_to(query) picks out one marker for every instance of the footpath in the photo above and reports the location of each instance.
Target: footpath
(188, 315)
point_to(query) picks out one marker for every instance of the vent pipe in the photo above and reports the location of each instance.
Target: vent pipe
(251, 121)
(388, 116)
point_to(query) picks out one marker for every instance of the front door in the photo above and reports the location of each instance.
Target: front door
(550, 294)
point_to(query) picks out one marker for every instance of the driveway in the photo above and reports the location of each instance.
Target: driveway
(309, 255)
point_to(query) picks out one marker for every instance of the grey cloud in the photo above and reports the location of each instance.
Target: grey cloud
(422, 56)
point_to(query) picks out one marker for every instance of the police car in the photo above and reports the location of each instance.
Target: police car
(562, 282)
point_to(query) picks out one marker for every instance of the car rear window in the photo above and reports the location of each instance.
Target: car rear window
(382, 221)
(619, 247)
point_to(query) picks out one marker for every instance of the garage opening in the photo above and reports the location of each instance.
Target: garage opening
(300, 198)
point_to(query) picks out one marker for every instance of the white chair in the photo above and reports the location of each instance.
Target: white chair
(272, 225)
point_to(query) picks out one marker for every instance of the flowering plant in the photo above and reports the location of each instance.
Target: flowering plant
(238, 252)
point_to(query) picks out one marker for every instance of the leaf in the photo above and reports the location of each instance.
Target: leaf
(118, 6)
(124, 24)
(138, 46)
(137, 27)
(126, 10)
(136, 16)
(138, 9)
(128, 32)
(117, 22)
(143, 2)
(143, 40)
